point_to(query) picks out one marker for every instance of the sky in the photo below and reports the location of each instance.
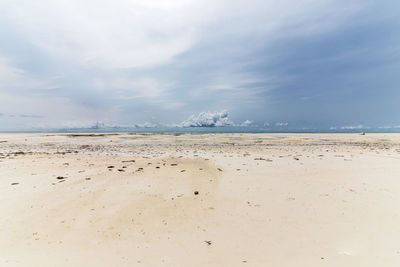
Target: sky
(326, 64)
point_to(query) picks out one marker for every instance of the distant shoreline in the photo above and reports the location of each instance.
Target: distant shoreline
(200, 130)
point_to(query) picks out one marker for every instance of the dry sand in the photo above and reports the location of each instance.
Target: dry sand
(200, 200)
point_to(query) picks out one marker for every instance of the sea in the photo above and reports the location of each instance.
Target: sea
(224, 129)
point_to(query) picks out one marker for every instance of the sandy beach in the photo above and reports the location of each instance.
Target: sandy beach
(199, 199)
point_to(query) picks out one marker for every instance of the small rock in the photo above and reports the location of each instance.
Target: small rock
(196, 192)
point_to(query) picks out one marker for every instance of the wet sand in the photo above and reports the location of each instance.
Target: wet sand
(200, 200)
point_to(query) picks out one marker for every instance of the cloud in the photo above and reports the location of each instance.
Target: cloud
(146, 125)
(352, 127)
(30, 116)
(130, 88)
(14, 79)
(173, 105)
(107, 35)
(266, 124)
(49, 111)
(91, 125)
(208, 119)
(246, 123)
(134, 33)
(386, 127)
(281, 124)
(133, 61)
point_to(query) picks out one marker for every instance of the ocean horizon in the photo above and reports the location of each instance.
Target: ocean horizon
(221, 129)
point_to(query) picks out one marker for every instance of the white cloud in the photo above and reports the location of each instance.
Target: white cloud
(173, 106)
(145, 125)
(281, 124)
(352, 127)
(134, 33)
(49, 111)
(13, 78)
(246, 123)
(127, 44)
(208, 119)
(91, 124)
(105, 34)
(30, 116)
(65, 124)
(130, 88)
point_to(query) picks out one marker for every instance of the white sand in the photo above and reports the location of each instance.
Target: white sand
(277, 200)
